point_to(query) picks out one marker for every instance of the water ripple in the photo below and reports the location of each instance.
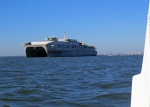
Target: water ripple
(101, 81)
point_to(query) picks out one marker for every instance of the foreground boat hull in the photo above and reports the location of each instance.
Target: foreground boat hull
(141, 83)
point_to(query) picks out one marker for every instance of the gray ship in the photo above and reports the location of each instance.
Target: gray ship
(54, 47)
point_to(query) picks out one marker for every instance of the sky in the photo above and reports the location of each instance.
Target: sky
(112, 26)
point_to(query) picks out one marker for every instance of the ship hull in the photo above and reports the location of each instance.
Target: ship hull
(44, 52)
(36, 52)
(70, 53)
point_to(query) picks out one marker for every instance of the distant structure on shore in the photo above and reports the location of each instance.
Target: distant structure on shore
(122, 54)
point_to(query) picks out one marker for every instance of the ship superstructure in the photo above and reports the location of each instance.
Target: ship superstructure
(54, 47)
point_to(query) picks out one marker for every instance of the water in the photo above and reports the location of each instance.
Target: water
(100, 81)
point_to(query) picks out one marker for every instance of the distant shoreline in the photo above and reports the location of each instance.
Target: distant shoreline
(97, 55)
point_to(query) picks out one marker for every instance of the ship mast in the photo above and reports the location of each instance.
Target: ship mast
(64, 35)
